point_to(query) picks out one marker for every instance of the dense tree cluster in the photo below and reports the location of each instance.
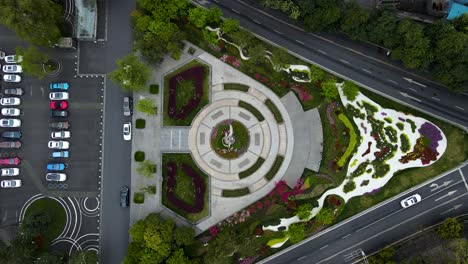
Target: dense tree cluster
(131, 74)
(441, 48)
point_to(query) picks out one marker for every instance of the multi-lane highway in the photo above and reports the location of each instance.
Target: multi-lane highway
(367, 68)
(387, 223)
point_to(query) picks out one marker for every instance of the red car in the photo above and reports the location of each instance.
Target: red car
(58, 105)
(10, 161)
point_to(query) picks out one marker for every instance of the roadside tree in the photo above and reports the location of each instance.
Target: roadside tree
(325, 216)
(131, 73)
(296, 232)
(304, 211)
(350, 90)
(146, 106)
(257, 53)
(329, 90)
(33, 61)
(230, 25)
(451, 228)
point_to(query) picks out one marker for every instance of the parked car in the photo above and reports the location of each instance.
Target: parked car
(13, 58)
(127, 106)
(60, 134)
(10, 101)
(60, 154)
(59, 86)
(127, 131)
(56, 166)
(410, 201)
(10, 161)
(58, 105)
(58, 96)
(56, 177)
(124, 196)
(10, 144)
(10, 183)
(7, 122)
(60, 125)
(11, 112)
(12, 68)
(13, 91)
(12, 78)
(59, 113)
(12, 134)
(9, 172)
(58, 144)
(2, 55)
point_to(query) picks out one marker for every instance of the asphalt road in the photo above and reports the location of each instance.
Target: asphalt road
(364, 67)
(383, 225)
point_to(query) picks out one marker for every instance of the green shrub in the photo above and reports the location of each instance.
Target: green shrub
(296, 232)
(252, 168)
(252, 110)
(274, 110)
(274, 168)
(139, 156)
(236, 87)
(191, 51)
(381, 169)
(147, 168)
(349, 186)
(235, 192)
(138, 197)
(412, 124)
(154, 88)
(304, 211)
(350, 90)
(140, 123)
(364, 183)
(404, 143)
(151, 189)
(388, 120)
(451, 228)
(400, 126)
(391, 133)
(146, 106)
(352, 140)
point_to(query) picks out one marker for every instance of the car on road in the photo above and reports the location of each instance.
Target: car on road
(12, 78)
(127, 131)
(6, 122)
(13, 91)
(11, 112)
(60, 154)
(59, 86)
(127, 106)
(58, 105)
(10, 144)
(12, 134)
(59, 113)
(60, 134)
(124, 196)
(60, 125)
(58, 144)
(410, 201)
(10, 183)
(13, 58)
(10, 101)
(9, 172)
(12, 68)
(56, 166)
(56, 177)
(58, 96)
(10, 161)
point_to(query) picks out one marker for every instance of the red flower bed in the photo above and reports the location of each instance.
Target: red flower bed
(198, 184)
(195, 73)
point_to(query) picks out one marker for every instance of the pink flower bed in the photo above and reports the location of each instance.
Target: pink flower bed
(231, 60)
(195, 73)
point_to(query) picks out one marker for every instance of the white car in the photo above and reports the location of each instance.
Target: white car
(410, 201)
(10, 101)
(13, 58)
(127, 131)
(56, 177)
(58, 96)
(2, 55)
(7, 122)
(12, 69)
(60, 134)
(58, 144)
(12, 78)
(11, 112)
(9, 172)
(10, 183)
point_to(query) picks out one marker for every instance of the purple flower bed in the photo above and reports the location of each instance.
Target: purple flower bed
(195, 73)
(432, 133)
(198, 184)
(401, 119)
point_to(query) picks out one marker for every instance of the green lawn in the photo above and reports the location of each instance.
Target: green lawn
(182, 95)
(56, 211)
(184, 188)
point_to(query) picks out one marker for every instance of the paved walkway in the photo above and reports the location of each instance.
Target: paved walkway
(174, 139)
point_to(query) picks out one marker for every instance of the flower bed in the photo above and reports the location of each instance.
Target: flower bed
(198, 184)
(240, 136)
(180, 112)
(352, 141)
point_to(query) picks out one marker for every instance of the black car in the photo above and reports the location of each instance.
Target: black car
(12, 134)
(58, 113)
(13, 91)
(124, 196)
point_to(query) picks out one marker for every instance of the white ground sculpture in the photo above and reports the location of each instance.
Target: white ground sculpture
(366, 137)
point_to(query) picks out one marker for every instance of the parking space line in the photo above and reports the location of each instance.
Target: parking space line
(323, 247)
(463, 178)
(459, 107)
(180, 138)
(171, 139)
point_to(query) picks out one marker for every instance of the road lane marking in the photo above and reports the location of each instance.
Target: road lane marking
(321, 51)
(171, 138)
(346, 236)
(256, 21)
(301, 258)
(412, 89)
(298, 41)
(281, 33)
(391, 228)
(446, 195)
(323, 247)
(463, 178)
(180, 140)
(366, 71)
(459, 107)
(343, 61)
(435, 98)
(235, 11)
(392, 81)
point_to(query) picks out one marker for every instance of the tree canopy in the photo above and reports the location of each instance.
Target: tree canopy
(350, 90)
(131, 73)
(33, 60)
(450, 228)
(325, 216)
(329, 90)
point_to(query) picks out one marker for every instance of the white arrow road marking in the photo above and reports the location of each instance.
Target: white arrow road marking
(411, 97)
(392, 81)
(256, 21)
(446, 183)
(411, 81)
(343, 61)
(321, 51)
(455, 207)
(447, 195)
(463, 178)
(235, 11)
(459, 107)
(366, 70)
(281, 33)
(300, 42)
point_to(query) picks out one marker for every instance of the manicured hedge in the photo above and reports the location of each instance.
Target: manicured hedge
(139, 156)
(274, 110)
(154, 88)
(236, 86)
(199, 186)
(252, 110)
(274, 168)
(252, 168)
(236, 192)
(352, 140)
(350, 186)
(140, 123)
(138, 197)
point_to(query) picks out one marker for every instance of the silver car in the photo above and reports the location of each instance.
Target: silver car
(12, 78)
(58, 144)
(9, 172)
(10, 101)
(10, 122)
(12, 68)
(10, 183)
(56, 177)
(58, 96)
(13, 58)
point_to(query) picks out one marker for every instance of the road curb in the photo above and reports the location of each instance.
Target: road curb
(102, 163)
